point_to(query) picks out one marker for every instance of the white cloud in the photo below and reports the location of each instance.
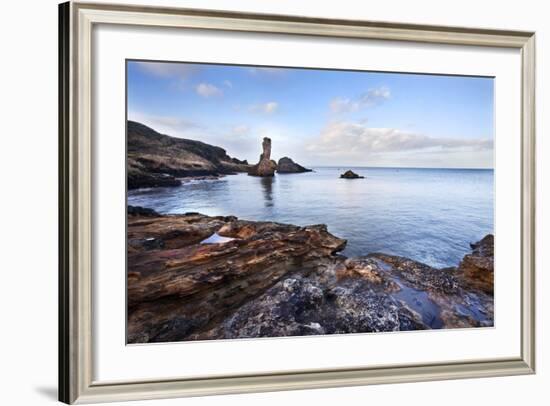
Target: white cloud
(370, 98)
(168, 124)
(176, 122)
(208, 90)
(267, 71)
(241, 130)
(167, 69)
(373, 95)
(228, 83)
(340, 105)
(345, 141)
(271, 107)
(267, 108)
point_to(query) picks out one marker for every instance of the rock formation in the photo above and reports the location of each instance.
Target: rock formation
(269, 279)
(266, 166)
(351, 175)
(477, 267)
(155, 159)
(287, 165)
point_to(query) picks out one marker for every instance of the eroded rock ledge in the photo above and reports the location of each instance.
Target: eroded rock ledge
(270, 279)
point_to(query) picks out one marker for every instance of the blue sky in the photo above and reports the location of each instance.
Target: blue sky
(319, 117)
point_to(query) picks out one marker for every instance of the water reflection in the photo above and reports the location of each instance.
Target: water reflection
(267, 189)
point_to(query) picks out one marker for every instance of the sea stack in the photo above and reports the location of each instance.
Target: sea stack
(351, 175)
(287, 165)
(266, 167)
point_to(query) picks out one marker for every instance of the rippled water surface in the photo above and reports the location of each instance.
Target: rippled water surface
(430, 215)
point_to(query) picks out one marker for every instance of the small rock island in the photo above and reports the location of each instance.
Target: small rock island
(351, 175)
(287, 165)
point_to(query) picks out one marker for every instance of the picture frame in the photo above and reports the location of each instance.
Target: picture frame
(76, 215)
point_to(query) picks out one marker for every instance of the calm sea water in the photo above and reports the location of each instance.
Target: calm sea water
(430, 215)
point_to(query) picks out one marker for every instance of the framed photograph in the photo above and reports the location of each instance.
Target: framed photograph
(264, 202)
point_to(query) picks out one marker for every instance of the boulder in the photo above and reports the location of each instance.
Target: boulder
(477, 267)
(287, 165)
(142, 179)
(141, 211)
(351, 175)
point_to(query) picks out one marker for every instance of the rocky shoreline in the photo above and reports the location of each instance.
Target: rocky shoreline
(155, 160)
(159, 160)
(269, 279)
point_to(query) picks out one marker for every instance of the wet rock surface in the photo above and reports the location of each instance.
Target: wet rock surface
(477, 267)
(442, 291)
(266, 279)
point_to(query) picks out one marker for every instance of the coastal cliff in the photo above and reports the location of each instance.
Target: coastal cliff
(156, 159)
(266, 279)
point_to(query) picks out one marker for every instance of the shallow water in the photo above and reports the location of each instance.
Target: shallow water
(216, 239)
(430, 215)
(417, 300)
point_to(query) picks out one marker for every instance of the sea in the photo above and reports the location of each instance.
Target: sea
(429, 215)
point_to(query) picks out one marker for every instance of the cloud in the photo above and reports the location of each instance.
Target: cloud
(271, 107)
(228, 83)
(168, 124)
(267, 108)
(371, 97)
(340, 105)
(208, 90)
(240, 130)
(175, 122)
(267, 71)
(167, 69)
(343, 139)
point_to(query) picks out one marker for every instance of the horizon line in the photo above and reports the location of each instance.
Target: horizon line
(398, 167)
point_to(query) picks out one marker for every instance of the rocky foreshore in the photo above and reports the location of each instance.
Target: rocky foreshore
(268, 279)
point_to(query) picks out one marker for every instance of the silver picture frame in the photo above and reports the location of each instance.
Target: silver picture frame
(76, 21)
